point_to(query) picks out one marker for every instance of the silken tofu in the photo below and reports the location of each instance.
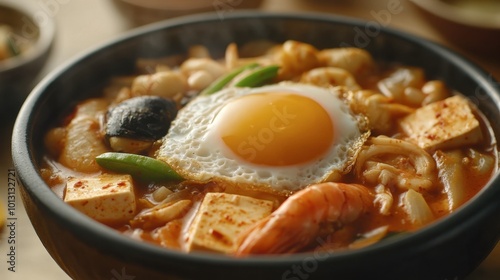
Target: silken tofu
(444, 124)
(221, 217)
(106, 198)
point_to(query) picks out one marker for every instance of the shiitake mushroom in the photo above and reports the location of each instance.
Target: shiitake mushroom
(134, 124)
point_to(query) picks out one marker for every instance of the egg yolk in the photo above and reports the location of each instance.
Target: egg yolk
(275, 129)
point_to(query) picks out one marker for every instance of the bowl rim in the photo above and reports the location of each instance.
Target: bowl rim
(83, 226)
(42, 45)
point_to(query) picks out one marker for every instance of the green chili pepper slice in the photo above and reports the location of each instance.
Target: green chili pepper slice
(140, 167)
(224, 80)
(259, 76)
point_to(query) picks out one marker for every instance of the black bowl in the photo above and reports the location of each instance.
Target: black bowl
(448, 249)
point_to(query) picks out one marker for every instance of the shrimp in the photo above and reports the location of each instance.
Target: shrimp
(295, 58)
(298, 220)
(166, 83)
(326, 76)
(358, 62)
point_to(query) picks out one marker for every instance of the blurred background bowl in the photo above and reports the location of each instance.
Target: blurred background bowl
(471, 24)
(85, 249)
(148, 11)
(34, 29)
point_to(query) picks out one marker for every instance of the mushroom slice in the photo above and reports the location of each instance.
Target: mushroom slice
(134, 124)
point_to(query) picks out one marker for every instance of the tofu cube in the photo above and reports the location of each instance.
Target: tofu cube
(221, 218)
(107, 198)
(444, 124)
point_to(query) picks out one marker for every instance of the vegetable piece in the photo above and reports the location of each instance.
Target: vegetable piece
(259, 76)
(169, 235)
(224, 80)
(140, 167)
(161, 214)
(161, 193)
(452, 175)
(417, 208)
(82, 140)
(370, 238)
(480, 163)
(14, 48)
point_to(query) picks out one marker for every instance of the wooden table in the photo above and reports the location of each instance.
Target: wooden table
(84, 24)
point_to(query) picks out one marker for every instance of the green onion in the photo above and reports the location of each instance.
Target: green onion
(258, 76)
(143, 168)
(222, 81)
(13, 47)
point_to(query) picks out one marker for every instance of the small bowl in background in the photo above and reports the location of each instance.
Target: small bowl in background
(35, 31)
(148, 11)
(473, 25)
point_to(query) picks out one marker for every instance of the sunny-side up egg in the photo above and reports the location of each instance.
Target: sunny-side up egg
(280, 137)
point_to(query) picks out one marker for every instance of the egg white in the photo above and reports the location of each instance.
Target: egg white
(194, 149)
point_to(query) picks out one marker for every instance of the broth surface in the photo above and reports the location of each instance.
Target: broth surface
(385, 180)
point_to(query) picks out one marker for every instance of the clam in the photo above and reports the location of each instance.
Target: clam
(134, 124)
